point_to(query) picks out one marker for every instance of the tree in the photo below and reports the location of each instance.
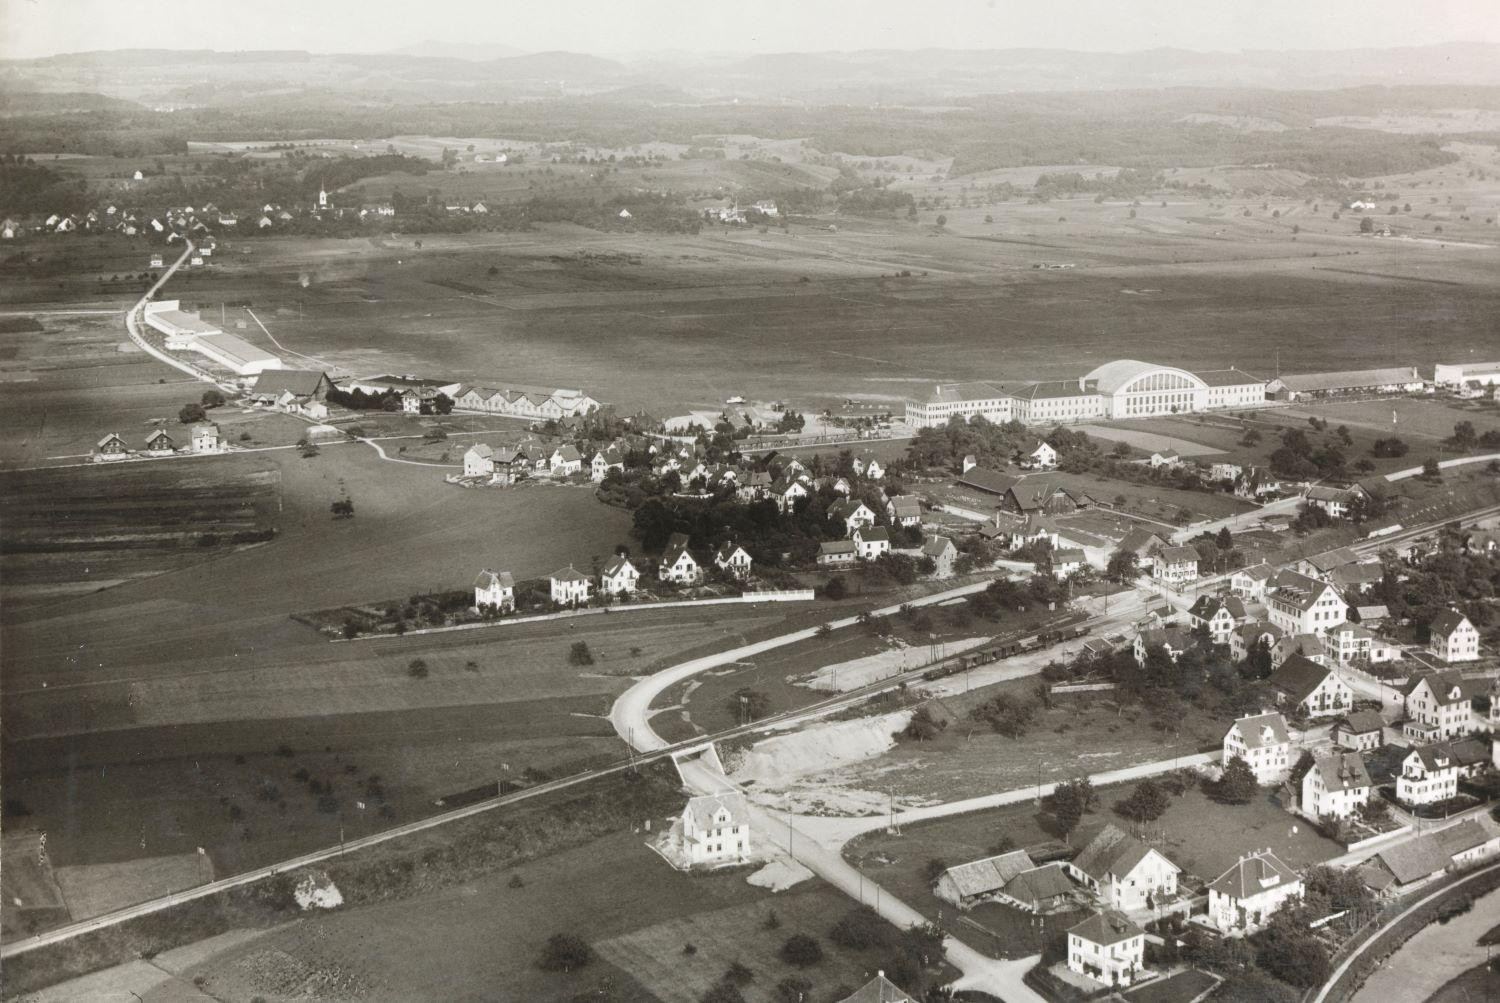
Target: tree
(1237, 785)
(191, 413)
(212, 398)
(1464, 436)
(942, 220)
(801, 950)
(835, 588)
(580, 654)
(564, 953)
(1146, 803)
(342, 509)
(1122, 565)
(793, 989)
(1366, 225)
(417, 669)
(1224, 541)
(1069, 802)
(1430, 469)
(442, 404)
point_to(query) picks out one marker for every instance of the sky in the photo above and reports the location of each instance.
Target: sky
(30, 28)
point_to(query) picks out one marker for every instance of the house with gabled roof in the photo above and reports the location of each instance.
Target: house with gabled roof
(1471, 840)
(1335, 500)
(1124, 872)
(1217, 615)
(878, 990)
(943, 554)
(495, 589)
(603, 461)
(1108, 948)
(1452, 637)
(1043, 457)
(1173, 638)
(837, 552)
(1337, 786)
(1243, 898)
(1175, 566)
(205, 438)
(159, 443)
(569, 586)
(1411, 863)
(565, 461)
(871, 541)
(1440, 705)
(904, 510)
(786, 494)
(1316, 690)
(1244, 638)
(1299, 604)
(733, 559)
(618, 577)
(1263, 742)
(1361, 730)
(677, 564)
(1141, 542)
(1429, 774)
(715, 830)
(1250, 583)
(479, 460)
(966, 885)
(853, 513)
(111, 447)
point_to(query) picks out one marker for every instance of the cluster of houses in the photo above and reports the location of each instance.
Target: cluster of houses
(735, 213)
(203, 438)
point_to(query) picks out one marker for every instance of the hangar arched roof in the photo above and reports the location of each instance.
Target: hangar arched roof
(1115, 376)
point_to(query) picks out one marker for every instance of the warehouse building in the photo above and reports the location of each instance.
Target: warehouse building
(1361, 382)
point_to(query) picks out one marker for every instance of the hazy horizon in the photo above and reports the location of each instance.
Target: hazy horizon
(648, 28)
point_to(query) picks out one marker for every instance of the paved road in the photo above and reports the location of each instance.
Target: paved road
(1401, 475)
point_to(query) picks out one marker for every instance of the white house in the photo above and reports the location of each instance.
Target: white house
(787, 493)
(1067, 562)
(1452, 637)
(1261, 740)
(1175, 566)
(569, 586)
(565, 461)
(871, 541)
(853, 513)
(943, 554)
(904, 511)
(1166, 458)
(1440, 705)
(1429, 773)
(734, 559)
(677, 564)
(1124, 872)
(1360, 731)
(1108, 948)
(1316, 689)
(1224, 471)
(495, 588)
(1218, 616)
(1243, 898)
(1353, 643)
(1043, 457)
(716, 829)
(618, 576)
(836, 552)
(206, 438)
(479, 461)
(1302, 605)
(1250, 583)
(1337, 786)
(603, 462)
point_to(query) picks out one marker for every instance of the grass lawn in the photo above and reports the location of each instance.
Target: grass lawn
(1482, 982)
(1206, 838)
(480, 940)
(1184, 987)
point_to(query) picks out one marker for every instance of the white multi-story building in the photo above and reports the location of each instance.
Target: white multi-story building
(569, 586)
(1313, 688)
(959, 400)
(677, 564)
(1453, 638)
(618, 577)
(1456, 376)
(1108, 948)
(716, 830)
(871, 541)
(1302, 605)
(1337, 786)
(495, 588)
(1175, 565)
(1243, 898)
(1440, 705)
(1124, 872)
(1262, 742)
(1429, 773)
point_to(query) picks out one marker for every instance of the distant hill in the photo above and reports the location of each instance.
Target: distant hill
(559, 66)
(478, 52)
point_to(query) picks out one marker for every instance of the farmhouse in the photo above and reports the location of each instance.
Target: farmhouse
(1108, 948)
(943, 554)
(1337, 786)
(1067, 562)
(618, 576)
(565, 461)
(1312, 386)
(1471, 840)
(968, 884)
(1413, 863)
(1043, 457)
(479, 461)
(1429, 774)
(159, 443)
(1334, 500)
(1314, 689)
(605, 460)
(1141, 542)
(1262, 742)
(303, 386)
(1166, 458)
(1453, 376)
(569, 586)
(677, 564)
(1124, 872)
(1360, 731)
(1452, 637)
(1175, 566)
(1242, 899)
(716, 829)
(496, 589)
(904, 510)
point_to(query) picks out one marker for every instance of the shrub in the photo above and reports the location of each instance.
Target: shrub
(689, 949)
(801, 950)
(564, 953)
(579, 654)
(738, 975)
(515, 881)
(795, 989)
(417, 669)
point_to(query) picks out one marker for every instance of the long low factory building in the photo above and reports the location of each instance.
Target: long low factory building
(1306, 386)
